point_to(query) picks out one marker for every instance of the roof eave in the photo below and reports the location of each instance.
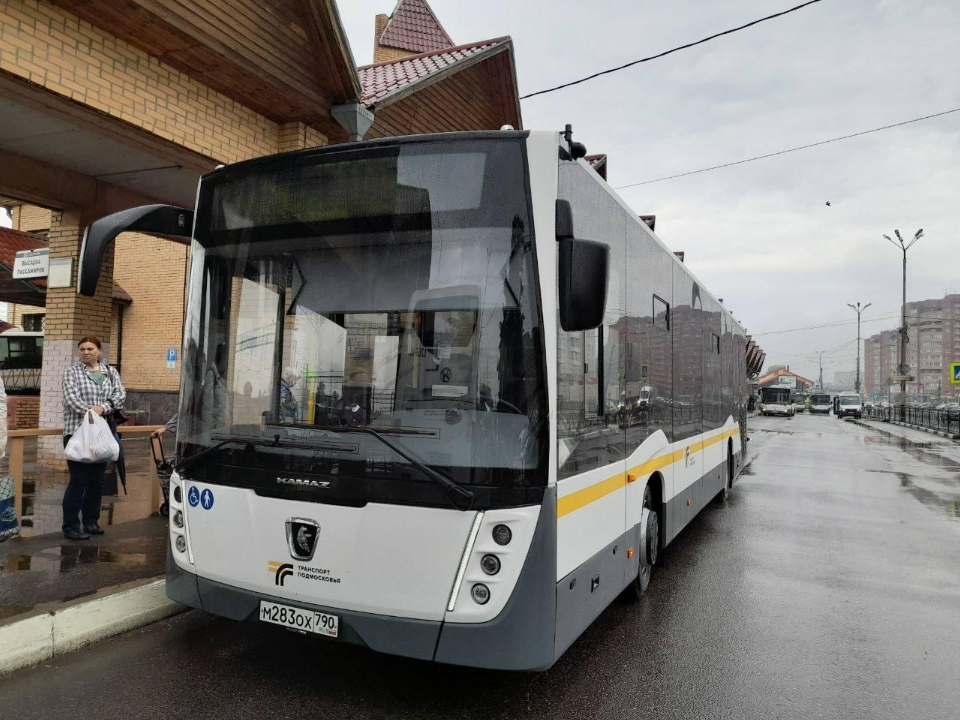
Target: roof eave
(438, 75)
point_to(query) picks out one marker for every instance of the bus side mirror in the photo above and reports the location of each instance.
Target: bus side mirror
(163, 220)
(582, 280)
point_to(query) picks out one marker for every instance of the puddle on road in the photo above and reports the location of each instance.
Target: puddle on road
(916, 449)
(64, 558)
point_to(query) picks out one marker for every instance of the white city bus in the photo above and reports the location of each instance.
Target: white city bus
(403, 360)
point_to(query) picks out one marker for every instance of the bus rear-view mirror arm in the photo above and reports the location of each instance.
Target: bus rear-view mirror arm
(164, 220)
(581, 275)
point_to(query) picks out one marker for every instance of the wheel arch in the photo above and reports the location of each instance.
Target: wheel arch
(657, 490)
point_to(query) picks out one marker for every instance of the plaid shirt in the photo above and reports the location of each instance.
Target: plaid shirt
(80, 392)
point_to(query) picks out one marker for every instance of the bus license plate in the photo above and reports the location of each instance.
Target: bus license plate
(299, 619)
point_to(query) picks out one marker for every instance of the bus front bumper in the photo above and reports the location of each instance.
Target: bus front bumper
(521, 637)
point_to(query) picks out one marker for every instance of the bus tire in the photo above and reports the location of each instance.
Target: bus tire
(724, 495)
(649, 550)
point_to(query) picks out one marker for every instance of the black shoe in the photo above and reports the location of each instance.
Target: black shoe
(75, 534)
(93, 529)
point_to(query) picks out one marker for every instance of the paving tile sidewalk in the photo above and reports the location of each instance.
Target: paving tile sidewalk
(42, 567)
(48, 569)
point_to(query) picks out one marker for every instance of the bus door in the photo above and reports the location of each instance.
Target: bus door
(836, 404)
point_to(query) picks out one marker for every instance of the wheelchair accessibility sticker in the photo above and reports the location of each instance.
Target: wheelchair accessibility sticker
(193, 497)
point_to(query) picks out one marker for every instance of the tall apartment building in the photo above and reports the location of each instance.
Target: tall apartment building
(933, 332)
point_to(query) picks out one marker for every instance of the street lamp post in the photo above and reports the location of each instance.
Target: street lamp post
(902, 245)
(857, 309)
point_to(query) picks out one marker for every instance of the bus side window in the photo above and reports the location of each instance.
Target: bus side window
(661, 313)
(592, 373)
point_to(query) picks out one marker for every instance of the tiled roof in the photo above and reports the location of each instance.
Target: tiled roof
(596, 160)
(414, 27)
(13, 241)
(598, 163)
(383, 79)
(777, 374)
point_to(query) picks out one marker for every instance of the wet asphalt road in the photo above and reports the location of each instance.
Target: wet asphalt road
(829, 586)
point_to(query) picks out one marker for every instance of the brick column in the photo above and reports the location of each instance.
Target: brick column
(69, 317)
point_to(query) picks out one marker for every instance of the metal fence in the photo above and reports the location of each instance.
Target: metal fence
(946, 420)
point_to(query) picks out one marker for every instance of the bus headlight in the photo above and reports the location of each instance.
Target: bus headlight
(502, 535)
(480, 594)
(490, 564)
(178, 519)
(181, 543)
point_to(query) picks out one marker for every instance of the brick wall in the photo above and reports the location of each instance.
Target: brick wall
(152, 271)
(16, 312)
(297, 136)
(51, 47)
(23, 411)
(30, 218)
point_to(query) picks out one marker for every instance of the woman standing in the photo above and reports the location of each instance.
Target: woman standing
(88, 384)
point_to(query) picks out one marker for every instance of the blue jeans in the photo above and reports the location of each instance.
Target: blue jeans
(84, 492)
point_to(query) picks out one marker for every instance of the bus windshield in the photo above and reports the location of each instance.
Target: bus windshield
(775, 396)
(390, 288)
(819, 399)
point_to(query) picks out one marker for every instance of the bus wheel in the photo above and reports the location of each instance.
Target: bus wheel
(649, 545)
(722, 496)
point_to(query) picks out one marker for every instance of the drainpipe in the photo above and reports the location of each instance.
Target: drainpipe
(119, 362)
(354, 118)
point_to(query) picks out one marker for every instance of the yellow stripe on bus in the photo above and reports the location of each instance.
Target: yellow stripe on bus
(576, 500)
(583, 497)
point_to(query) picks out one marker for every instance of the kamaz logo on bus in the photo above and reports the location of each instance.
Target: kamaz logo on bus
(300, 482)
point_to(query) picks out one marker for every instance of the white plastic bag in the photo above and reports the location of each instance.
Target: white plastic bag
(92, 442)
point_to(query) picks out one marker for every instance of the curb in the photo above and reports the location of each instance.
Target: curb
(59, 628)
(941, 433)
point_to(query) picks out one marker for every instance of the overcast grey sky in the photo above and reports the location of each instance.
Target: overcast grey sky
(760, 235)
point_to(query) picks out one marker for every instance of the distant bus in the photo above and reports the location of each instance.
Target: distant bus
(820, 403)
(799, 402)
(776, 401)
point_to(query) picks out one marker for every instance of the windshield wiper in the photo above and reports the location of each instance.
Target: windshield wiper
(454, 491)
(193, 459)
(189, 462)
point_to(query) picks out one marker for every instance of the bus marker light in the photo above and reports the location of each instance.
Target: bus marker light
(632, 477)
(463, 561)
(480, 594)
(502, 535)
(688, 501)
(629, 553)
(490, 564)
